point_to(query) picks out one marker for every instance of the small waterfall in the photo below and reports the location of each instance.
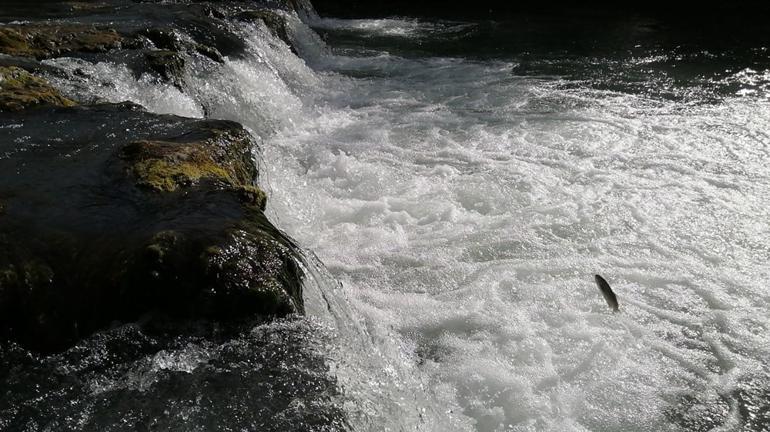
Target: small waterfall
(305, 10)
(376, 374)
(275, 95)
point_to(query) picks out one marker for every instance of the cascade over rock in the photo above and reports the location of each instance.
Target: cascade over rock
(111, 213)
(155, 215)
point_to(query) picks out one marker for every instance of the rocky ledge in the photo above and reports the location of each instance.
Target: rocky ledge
(19, 90)
(111, 214)
(142, 287)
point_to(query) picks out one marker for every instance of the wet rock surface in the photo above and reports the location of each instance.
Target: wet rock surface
(20, 89)
(110, 212)
(141, 285)
(168, 64)
(244, 376)
(217, 151)
(114, 213)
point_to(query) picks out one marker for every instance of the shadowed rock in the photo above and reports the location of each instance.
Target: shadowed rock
(110, 215)
(52, 40)
(20, 89)
(155, 216)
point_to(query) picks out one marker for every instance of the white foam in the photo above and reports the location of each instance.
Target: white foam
(392, 27)
(469, 226)
(110, 82)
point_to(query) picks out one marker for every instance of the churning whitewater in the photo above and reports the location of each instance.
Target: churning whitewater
(461, 202)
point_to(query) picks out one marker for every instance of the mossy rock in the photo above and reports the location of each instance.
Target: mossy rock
(13, 42)
(51, 40)
(162, 218)
(168, 40)
(220, 152)
(250, 195)
(20, 89)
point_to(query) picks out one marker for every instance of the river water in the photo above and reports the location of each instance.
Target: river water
(462, 182)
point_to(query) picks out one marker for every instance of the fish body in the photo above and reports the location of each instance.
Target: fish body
(604, 287)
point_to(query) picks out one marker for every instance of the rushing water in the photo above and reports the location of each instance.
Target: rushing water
(466, 196)
(463, 182)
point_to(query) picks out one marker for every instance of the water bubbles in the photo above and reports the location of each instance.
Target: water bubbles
(489, 201)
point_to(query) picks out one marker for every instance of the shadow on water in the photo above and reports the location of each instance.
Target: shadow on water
(193, 376)
(660, 56)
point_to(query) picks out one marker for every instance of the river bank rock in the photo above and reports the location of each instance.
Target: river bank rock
(168, 64)
(112, 214)
(19, 90)
(44, 40)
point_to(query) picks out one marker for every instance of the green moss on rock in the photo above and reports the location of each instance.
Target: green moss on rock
(168, 176)
(20, 89)
(221, 153)
(252, 195)
(162, 219)
(51, 40)
(13, 42)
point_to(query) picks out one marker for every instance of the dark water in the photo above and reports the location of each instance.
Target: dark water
(258, 377)
(635, 53)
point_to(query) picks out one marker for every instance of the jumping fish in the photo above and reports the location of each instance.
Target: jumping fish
(604, 287)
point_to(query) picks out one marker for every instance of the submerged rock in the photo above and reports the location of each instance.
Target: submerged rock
(112, 213)
(20, 89)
